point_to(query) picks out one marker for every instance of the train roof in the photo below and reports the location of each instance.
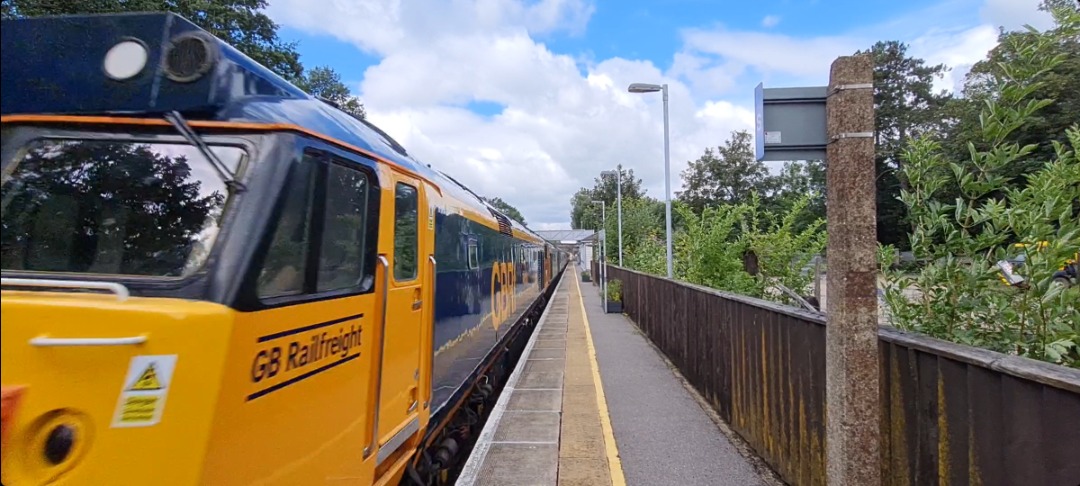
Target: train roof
(150, 64)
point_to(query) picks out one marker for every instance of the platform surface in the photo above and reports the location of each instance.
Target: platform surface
(664, 434)
(591, 402)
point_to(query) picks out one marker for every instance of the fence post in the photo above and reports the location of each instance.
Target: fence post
(851, 336)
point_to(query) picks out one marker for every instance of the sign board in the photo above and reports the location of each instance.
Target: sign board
(789, 123)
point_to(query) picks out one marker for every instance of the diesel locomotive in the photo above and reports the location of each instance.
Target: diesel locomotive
(212, 277)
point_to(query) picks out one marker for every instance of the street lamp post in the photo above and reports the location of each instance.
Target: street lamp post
(650, 88)
(618, 202)
(603, 250)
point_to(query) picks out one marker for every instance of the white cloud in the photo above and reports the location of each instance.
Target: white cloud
(559, 125)
(957, 33)
(567, 116)
(1014, 14)
(770, 53)
(557, 131)
(706, 75)
(957, 48)
(770, 21)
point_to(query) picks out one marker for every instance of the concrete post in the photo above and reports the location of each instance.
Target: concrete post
(851, 337)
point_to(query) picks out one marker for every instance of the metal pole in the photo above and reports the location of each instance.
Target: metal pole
(618, 189)
(603, 254)
(817, 280)
(667, 181)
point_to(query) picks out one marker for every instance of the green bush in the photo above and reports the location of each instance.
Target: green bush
(614, 290)
(959, 294)
(711, 249)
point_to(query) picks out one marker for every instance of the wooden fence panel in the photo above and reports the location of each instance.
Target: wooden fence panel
(950, 414)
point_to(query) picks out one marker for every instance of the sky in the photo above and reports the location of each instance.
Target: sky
(527, 100)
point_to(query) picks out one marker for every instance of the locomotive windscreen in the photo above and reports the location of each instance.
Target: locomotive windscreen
(111, 207)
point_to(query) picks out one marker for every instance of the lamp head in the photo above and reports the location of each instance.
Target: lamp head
(644, 88)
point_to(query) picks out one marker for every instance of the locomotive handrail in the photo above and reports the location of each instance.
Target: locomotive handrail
(379, 366)
(120, 290)
(434, 280)
(45, 341)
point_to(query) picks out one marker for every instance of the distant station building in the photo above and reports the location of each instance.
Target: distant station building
(581, 242)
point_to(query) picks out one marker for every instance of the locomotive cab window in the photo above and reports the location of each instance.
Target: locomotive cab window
(405, 229)
(285, 266)
(343, 249)
(321, 238)
(113, 207)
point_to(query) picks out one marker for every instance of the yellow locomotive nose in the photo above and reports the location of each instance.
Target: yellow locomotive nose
(108, 391)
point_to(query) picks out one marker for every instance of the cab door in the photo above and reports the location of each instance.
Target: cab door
(406, 248)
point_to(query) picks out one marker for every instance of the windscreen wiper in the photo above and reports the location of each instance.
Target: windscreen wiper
(177, 120)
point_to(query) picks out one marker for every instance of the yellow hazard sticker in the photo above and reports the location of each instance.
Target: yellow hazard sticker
(146, 385)
(148, 380)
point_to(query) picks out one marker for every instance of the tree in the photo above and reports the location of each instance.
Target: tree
(905, 107)
(505, 208)
(325, 82)
(726, 176)
(1006, 63)
(642, 222)
(799, 179)
(586, 214)
(605, 188)
(959, 295)
(582, 213)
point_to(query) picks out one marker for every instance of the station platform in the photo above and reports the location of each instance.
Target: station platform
(591, 402)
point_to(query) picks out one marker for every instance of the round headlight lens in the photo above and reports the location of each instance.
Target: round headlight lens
(125, 60)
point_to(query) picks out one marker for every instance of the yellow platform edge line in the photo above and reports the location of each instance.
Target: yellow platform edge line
(614, 464)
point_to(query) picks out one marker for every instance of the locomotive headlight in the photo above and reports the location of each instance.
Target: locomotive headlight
(125, 60)
(189, 56)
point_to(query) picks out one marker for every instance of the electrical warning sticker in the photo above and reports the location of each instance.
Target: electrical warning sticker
(142, 398)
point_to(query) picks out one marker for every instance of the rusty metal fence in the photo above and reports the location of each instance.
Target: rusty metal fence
(950, 414)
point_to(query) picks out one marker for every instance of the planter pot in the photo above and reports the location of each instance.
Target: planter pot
(586, 278)
(614, 307)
